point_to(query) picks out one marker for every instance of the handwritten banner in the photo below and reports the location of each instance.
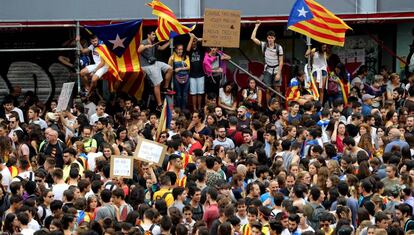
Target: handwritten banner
(122, 167)
(150, 151)
(65, 95)
(221, 28)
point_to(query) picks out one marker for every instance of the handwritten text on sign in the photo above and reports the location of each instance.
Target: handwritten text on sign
(64, 96)
(122, 167)
(221, 28)
(150, 152)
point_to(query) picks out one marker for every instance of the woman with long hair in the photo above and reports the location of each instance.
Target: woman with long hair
(227, 96)
(11, 224)
(92, 204)
(122, 140)
(391, 119)
(338, 136)
(21, 148)
(43, 210)
(313, 171)
(252, 94)
(366, 143)
(338, 84)
(291, 132)
(180, 62)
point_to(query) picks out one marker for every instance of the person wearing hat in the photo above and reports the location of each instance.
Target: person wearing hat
(367, 104)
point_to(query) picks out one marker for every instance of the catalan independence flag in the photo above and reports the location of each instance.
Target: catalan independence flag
(165, 118)
(168, 25)
(309, 18)
(120, 52)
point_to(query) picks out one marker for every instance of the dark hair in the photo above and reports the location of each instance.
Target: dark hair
(106, 195)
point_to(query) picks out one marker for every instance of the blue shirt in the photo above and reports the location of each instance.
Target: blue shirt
(366, 109)
(266, 196)
(402, 144)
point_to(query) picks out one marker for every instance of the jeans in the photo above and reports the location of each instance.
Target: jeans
(181, 96)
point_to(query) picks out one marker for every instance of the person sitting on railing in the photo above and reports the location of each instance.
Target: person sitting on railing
(297, 90)
(252, 94)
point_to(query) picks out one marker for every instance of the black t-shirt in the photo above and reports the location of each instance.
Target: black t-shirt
(223, 122)
(214, 226)
(271, 114)
(196, 63)
(55, 150)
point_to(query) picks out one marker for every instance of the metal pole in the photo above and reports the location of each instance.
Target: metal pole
(78, 56)
(257, 79)
(37, 49)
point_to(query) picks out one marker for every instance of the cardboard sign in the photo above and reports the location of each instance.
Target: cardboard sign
(150, 151)
(64, 96)
(122, 167)
(221, 28)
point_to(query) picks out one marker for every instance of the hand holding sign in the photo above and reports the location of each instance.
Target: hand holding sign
(150, 151)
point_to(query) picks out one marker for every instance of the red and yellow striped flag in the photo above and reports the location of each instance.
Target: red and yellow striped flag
(120, 52)
(168, 25)
(315, 21)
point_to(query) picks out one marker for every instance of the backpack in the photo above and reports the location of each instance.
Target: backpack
(164, 195)
(332, 86)
(276, 46)
(149, 232)
(315, 217)
(42, 219)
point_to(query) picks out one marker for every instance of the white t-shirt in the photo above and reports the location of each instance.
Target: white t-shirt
(156, 230)
(319, 62)
(42, 123)
(20, 112)
(33, 224)
(226, 99)
(92, 161)
(69, 133)
(94, 117)
(29, 175)
(7, 178)
(271, 56)
(27, 231)
(40, 212)
(95, 54)
(58, 190)
(90, 108)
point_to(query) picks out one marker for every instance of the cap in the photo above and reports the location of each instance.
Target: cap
(367, 97)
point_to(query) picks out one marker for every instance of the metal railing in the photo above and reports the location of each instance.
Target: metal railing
(257, 79)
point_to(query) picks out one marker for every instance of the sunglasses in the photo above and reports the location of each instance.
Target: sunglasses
(51, 196)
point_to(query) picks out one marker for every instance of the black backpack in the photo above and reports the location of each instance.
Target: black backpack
(149, 232)
(276, 46)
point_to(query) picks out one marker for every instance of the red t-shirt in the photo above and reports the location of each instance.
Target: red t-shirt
(339, 144)
(211, 214)
(236, 137)
(195, 146)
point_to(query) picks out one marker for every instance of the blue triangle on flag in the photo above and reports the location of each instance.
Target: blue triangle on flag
(116, 37)
(299, 12)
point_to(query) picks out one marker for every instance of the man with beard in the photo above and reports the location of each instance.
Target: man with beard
(243, 120)
(268, 198)
(222, 140)
(221, 120)
(53, 146)
(69, 158)
(176, 166)
(100, 126)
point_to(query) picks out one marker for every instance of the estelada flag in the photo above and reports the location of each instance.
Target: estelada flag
(309, 18)
(168, 25)
(120, 52)
(165, 119)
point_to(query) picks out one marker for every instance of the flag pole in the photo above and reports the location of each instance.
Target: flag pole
(309, 44)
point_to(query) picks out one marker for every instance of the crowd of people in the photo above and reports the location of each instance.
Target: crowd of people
(334, 158)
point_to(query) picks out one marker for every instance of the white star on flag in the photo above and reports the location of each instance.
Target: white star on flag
(302, 12)
(118, 42)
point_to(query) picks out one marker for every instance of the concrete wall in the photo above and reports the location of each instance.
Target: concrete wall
(22, 10)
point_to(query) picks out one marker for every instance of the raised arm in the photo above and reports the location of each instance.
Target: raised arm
(78, 44)
(253, 37)
(163, 47)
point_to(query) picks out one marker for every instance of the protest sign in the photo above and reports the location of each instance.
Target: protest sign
(150, 151)
(64, 96)
(122, 167)
(221, 28)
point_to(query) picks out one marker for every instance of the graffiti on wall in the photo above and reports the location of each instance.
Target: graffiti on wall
(45, 82)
